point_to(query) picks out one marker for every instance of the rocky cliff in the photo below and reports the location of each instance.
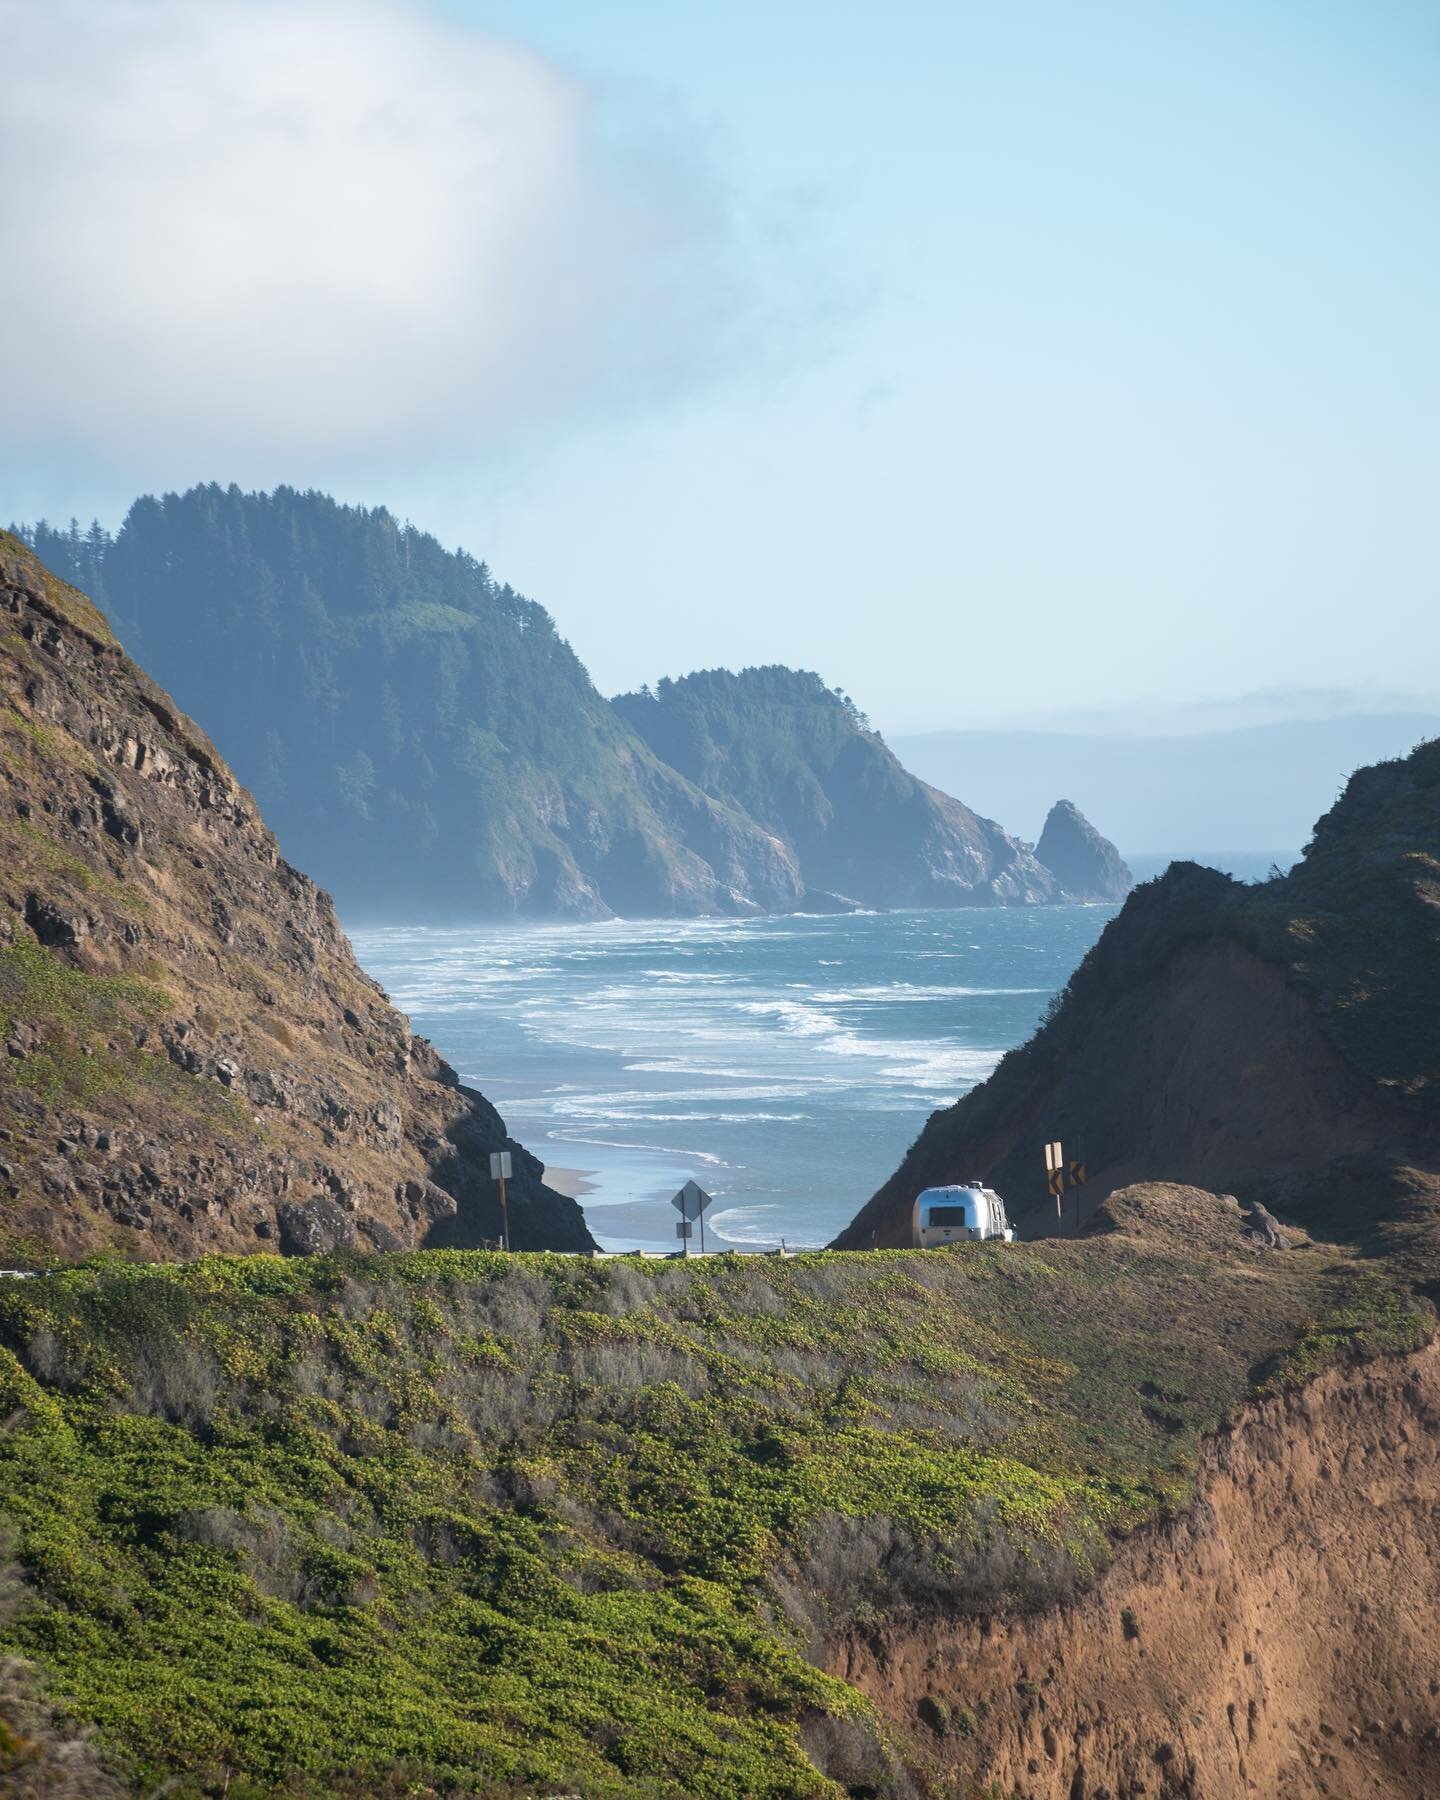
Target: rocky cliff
(1087, 865)
(781, 747)
(1278, 1040)
(190, 1057)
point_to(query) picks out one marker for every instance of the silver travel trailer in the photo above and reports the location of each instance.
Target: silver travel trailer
(955, 1215)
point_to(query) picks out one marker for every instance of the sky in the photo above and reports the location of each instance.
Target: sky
(1006, 364)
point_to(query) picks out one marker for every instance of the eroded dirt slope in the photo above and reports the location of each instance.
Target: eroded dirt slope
(190, 1057)
(1281, 1640)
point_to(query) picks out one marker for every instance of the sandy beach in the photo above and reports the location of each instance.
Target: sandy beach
(573, 1183)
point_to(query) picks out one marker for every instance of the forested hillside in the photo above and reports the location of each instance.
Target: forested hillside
(426, 743)
(419, 734)
(803, 761)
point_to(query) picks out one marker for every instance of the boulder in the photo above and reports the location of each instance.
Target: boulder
(313, 1227)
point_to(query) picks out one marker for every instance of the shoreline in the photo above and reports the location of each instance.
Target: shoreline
(572, 1183)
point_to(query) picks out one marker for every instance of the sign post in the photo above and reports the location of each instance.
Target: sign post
(500, 1171)
(1055, 1173)
(690, 1203)
(1077, 1177)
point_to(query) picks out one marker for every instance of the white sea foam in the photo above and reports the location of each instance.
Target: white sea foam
(755, 1225)
(681, 1065)
(700, 1156)
(628, 1097)
(909, 990)
(792, 1015)
(619, 1115)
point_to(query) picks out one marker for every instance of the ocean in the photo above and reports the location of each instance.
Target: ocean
(785, 1064)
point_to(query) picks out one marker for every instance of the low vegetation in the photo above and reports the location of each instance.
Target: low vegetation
(87, 1041)
(449, 1522)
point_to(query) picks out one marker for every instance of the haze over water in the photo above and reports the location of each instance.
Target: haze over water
(785, 1063)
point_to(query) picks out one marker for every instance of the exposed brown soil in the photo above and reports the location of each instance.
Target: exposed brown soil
(190, 1057)
(1282, 1639)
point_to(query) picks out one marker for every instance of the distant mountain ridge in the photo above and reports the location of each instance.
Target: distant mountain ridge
(426, 743)
(1254, 789)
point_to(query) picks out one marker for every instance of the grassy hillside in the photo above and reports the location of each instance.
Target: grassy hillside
(447, 1521)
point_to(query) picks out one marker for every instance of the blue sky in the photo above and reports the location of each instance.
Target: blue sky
(999, 362)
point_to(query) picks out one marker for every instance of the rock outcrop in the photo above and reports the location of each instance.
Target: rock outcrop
(780, 747)
(1278, 1041)
(190, 1057)
(1087, 866)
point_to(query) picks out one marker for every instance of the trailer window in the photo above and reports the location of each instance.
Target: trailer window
(947, 1215)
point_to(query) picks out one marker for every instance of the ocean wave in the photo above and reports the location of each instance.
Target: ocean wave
(910, 990)
(683, 1065)
(627, 1097)
(698, 977)
(755, 1225)
(690, 1156)
(791, 1015)
(622, 1116)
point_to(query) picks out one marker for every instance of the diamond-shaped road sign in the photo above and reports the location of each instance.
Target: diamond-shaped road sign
(691, 1201)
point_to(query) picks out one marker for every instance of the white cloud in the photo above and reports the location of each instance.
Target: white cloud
(332, 229)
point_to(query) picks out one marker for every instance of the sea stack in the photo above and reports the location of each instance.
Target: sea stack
(1087, 865)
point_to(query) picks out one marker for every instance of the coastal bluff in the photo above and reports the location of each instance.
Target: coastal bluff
(191, 1059)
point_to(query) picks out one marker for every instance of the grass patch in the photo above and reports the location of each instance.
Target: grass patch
(36, 847)
(88, 1050)
(1367, 1315)
(38, 988)
(56, 745)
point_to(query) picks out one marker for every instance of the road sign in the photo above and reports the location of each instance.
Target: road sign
(683, 1228)
(500, 1171)
(690, 1203)
(1055, 1172)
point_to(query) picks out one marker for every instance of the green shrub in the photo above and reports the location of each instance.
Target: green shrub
(506, 1524)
